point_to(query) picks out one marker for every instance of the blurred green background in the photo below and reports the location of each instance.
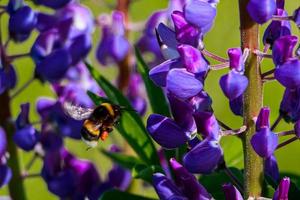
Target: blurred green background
(224, 35)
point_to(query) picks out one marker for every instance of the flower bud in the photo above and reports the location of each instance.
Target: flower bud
(261, 10)
(282, 192)
(283, 49)
(236, 59)
(231, 193)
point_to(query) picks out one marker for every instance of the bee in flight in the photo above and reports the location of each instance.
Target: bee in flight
(98, 122)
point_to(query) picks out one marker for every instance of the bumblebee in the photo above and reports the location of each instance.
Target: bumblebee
(98, 122)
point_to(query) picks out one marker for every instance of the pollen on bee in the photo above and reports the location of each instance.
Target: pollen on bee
(104, 135)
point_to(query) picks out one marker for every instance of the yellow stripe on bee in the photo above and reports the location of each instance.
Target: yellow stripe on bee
(91, 128)
(109, 108)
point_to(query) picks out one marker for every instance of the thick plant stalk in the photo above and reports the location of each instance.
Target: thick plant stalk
(16, 185)
(124, 65)
(253, 99)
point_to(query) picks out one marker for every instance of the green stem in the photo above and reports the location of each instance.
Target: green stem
(253, 100)
(15, 186)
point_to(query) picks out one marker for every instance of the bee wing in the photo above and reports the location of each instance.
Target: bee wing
(77, 112)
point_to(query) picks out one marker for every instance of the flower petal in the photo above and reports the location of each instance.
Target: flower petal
(283, 49)
(204, 157)
(3, 142)
(26, 138)
(207, 124)
(165, 189)
(288, 74)
(165, 131)
(264, 142)
(261, 11)
(5, 175)
(183, 84)
(271, 167)
(231, 193)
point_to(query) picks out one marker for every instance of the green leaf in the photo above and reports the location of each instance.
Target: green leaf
(131, 126)
(145, 172)
(155, 94)
(213, 182)
(125, 161)
(116, 194)
(97, 99)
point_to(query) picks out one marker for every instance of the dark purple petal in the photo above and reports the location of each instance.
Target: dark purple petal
(192, 59)
(5, 175)
(199, 13)
(264, 142)
(183, 84)
(204, 157)
(283, 49)
(231, 193)
(185, 32)
(290, 105)
(201, 102)
(80, 48)
(282, 192)
(207, 124)
(271, 167)
(263, 118)
(183, 113)
(288, 74)
(119, 177)
(165, 189)
(277, 29)
(23, 117)
(64, 184)
(261, 11)
(8, 78)
(55, 4)
(14, 5)
(165, 131)
(236, 59)
(158, 74)
(233, 84)
(26, 138)
(54, 66)
(167, 36)
(3, 142)
(51, 141)
(44, 105)
(188, 183)
(45, 21)
(21, 23)
(236, 105)
(296, 17)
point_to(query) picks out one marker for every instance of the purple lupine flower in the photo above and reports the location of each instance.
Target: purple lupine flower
(8, 78)
(201, 102)
(283, 49)
(193, 60)
(5, 171)
(204, 157)
(188, 183)
(166, 132)
(264, 141)
(296, 16)
(136, 94)
(290, 105)
(3, 142)
(231, 193)
(26, 138)
(261, 11)
(277, 29)
(165, 189)
(271, 167)
(148, 41)
(288, 74)
(234, 83)
(236, 105)
(185, 33)
(201, 14)
(14, 5)
(21, 23)
(207, 124)
(113, 46)
(282, 191)
(183, 84)
(52, 113)
(55, 4)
